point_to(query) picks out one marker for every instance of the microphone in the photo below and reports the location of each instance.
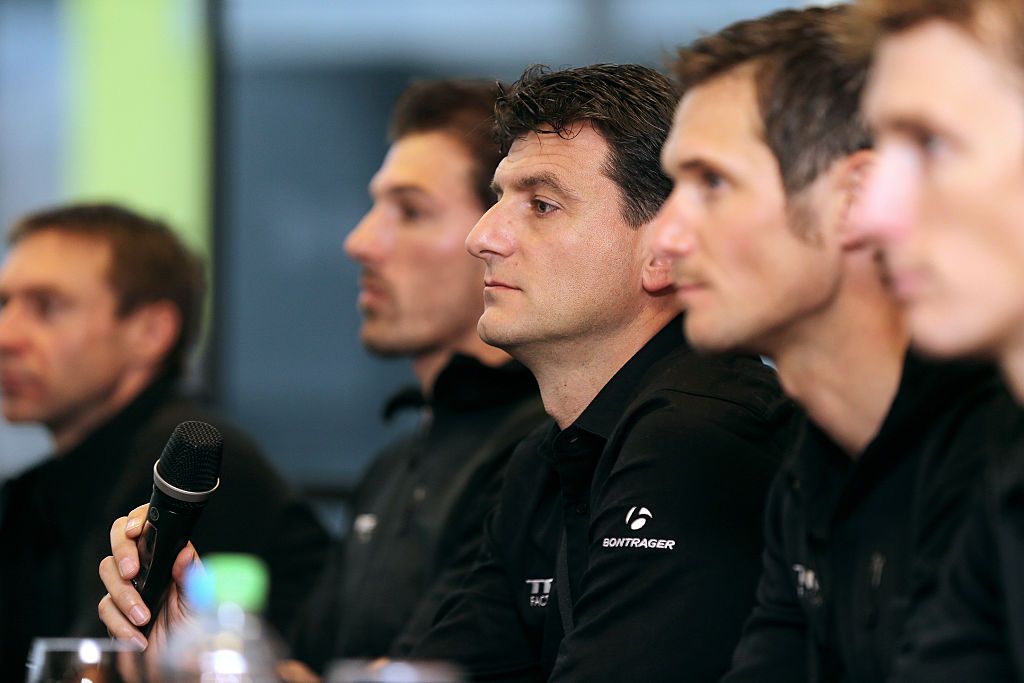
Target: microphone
(183, 478)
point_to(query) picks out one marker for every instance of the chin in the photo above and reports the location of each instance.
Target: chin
(707, 338)
(943, 337)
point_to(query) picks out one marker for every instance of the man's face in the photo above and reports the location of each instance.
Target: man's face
(747, 265)
(63, 349)
(419, 290)
(946, 198)
(561, 262)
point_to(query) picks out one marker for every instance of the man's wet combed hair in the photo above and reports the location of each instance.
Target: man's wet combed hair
(630, 105)
(462, 108)
(808, 84)
(148, 263)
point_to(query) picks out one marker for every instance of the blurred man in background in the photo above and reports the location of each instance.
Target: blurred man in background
(946, 202)
(99, 308)
(768, 153)
(418, 512)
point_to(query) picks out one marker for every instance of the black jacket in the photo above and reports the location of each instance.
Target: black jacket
(659, 486)
(418, 515)
(55, 523)
(973, 628)
(853, 546)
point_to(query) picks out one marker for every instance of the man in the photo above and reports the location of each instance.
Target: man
(766, 152)
(627, 533)
(418, 511)
(945, 202)
(99, 308)
(652, 472)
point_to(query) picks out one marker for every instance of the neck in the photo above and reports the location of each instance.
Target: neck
(844, 366)
(70, 431)
(1011, 360)
(570, 373)
(427, 366)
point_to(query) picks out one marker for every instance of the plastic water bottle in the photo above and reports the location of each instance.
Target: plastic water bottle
(228, 642)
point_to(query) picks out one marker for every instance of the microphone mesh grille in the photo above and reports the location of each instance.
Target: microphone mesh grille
(191, 458)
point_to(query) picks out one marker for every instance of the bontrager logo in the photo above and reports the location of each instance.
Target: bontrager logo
(637, 521)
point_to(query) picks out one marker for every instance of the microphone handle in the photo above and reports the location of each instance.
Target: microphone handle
(167, 529)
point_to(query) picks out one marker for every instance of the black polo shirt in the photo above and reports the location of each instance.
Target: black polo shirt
(659, 486)
(55, 523)
(853, 545)
(973, 628)
(418, 513)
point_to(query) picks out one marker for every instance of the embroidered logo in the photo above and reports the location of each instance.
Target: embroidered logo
(636, 521)
(363, 527)
(540, 591)
(807, 587)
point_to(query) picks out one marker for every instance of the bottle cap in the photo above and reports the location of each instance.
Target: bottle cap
(228, 578)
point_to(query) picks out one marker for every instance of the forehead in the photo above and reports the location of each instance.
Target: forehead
(57, 259)
(575, 157)
(935, 69)
(434, 162)
(717, 120)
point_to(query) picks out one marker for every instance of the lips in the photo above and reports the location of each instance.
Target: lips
(12, 384)
(495, 284)
(372, 289)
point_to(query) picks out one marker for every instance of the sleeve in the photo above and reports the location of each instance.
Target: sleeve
(665, 599)
(478, 626)
(959, 633)
(467, 532)
(774, 642)
(296, 556)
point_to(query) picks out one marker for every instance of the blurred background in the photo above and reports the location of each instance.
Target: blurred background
(253, 126)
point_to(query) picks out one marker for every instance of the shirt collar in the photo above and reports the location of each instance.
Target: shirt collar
(603, 414)
(466, 383)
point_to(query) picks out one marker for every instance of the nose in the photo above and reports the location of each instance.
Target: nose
(884, 209)
(493, 235)
(11, 332)
(367, 242)
(672, 233)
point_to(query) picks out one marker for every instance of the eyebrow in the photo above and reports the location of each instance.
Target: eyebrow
(695, 164)
(535, 180)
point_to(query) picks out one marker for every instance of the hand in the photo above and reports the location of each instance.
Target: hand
(122, 609)
(292, 671)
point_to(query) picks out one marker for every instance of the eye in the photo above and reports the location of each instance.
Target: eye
(409, 213)
(711, 180)
(541, 207)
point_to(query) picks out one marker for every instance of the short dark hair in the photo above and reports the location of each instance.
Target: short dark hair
(808, 84)
(629, 105)
(877, 19)
(148, 263)
(462, 108)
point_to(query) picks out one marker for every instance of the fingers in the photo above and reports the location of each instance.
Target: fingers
(122, 596)
(121, 609)
(185, 559)
(136, 518)
(292, 671)
(123, 535)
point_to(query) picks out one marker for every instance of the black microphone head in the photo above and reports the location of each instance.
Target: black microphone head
(191, 458)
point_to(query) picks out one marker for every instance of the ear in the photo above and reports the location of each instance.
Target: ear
(853, 177)
(153, 330)
(657, 274)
